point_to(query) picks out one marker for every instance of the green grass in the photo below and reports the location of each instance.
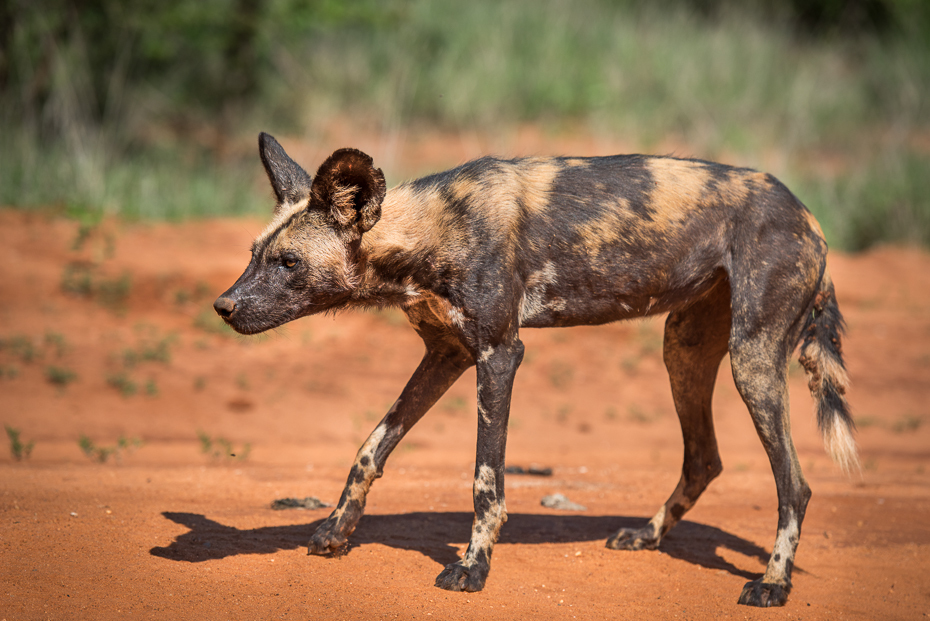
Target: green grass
(60, 376)
(218, 447)
(27, 350)
(18, 450)
(740, 83)
(151, 388)
(56, 341)
(885, 198)
(151, 348)
(123, 383)
(101, 454)
(83, 280)
(152, 184)
(21, 347)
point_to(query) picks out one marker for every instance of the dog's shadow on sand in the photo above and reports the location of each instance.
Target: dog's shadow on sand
(429, 534)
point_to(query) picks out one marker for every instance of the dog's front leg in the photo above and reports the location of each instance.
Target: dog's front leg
(496, 369)
(438, 370)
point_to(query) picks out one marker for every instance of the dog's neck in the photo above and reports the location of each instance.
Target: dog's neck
(397, 256)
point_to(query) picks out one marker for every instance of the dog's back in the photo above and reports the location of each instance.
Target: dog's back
(593, 240)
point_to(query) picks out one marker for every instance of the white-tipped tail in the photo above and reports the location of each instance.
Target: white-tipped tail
(841, 446)
(821, 357)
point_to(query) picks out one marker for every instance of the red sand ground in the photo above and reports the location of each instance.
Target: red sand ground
(165, 531)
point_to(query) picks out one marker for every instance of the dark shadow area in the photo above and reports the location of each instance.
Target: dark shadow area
(429, 534)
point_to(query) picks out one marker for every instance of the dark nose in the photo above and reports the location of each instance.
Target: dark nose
(224, 307)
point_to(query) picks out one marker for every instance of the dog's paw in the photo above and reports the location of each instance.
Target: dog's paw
(326, 540)
(634, 539)
(763, 594)
(458, 577)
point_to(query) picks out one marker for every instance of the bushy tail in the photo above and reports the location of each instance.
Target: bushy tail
(822, 358)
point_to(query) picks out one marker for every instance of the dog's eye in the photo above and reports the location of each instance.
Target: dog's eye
(289, 261)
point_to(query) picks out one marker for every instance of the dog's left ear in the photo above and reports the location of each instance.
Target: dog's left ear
(351, 188)
(291, 184)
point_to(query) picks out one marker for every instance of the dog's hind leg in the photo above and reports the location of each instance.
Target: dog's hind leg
(763, 336)
(760, 371)
(695, 342)
(440, 367)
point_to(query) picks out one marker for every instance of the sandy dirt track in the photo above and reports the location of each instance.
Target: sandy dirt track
(165, 531)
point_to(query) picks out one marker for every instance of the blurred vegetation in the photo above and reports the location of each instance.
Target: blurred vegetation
(18, 450)
(101, 454)
(142, 108)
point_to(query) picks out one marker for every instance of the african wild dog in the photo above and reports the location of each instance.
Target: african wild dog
(475, 253)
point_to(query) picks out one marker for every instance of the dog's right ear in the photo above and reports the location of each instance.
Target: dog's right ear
(349, 186)
(290, 182)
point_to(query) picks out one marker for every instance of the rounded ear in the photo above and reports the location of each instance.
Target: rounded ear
(349, 185)
(290, 182)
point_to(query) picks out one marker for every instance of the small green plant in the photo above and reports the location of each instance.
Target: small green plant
(77, 279)
(114, 293)
(221, 448)
(60, 376)
(123, 383)
(56, 341)
(101, 454)
(128, 444)
(20, 346)
(83, 234)
(151, 388)
(80, 278)
(90, 235)
(150, 350)
(18, 450)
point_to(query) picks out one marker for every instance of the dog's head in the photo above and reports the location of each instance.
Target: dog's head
(307, 260)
